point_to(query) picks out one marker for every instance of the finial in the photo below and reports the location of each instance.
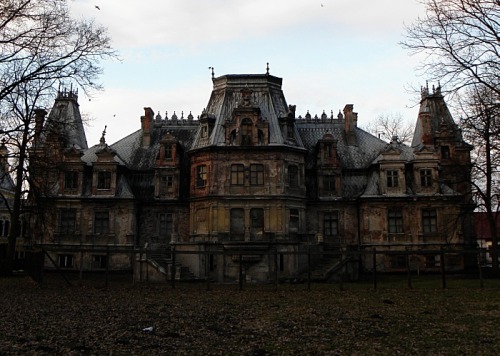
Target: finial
(213, 73)
(103, 140)
(267, 68)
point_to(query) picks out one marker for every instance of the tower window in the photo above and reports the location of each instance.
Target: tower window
(201, 176)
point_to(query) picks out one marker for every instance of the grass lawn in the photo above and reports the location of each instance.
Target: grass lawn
(259, 320)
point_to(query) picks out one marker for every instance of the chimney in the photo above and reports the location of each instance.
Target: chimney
(4, 154)
(39, 121)
(146, 122)
(350, 124)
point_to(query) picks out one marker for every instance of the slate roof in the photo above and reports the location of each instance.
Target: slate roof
(266, 95)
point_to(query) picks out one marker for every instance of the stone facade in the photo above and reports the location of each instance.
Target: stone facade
(249, 189)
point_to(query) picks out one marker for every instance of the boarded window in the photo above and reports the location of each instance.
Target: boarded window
(237, 228)
(165, 224)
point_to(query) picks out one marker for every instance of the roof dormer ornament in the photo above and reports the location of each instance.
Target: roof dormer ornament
(102, 141)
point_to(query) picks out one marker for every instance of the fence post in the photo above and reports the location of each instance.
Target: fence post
(374, 268)
(241, 272)
(107, 266)
(207, 267)
(309, 268)
(275, 269)
(480, 269)
(80, 276)
(408, 270)
(443, 268)
(172, 270)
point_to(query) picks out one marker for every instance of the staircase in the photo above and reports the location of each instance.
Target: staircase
(159, 256)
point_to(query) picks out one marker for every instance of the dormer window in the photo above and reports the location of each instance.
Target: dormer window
(445, 152)
(71, 180)
(246, 132)
(104, 180)
(166, 185)
(204, 131)
(426, 178)
(168, 152)
(329, 184)
(392, 179)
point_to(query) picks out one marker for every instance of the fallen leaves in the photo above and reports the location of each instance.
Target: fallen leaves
(155, 319)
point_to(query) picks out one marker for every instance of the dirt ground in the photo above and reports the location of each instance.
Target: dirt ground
(149, 319)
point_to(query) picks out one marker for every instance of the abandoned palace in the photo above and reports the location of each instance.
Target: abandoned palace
(249, 184)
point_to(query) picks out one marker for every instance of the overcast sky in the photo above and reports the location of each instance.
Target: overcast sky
(328, 52)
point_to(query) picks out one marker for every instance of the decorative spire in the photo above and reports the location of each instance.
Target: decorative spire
(102, 141)
(213, 73)
(267, 68)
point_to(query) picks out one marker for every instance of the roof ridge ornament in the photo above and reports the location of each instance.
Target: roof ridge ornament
(213, 73)
(102, 141)
(267, 69)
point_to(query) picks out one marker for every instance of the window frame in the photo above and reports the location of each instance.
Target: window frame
(103, 180)
(293, 176)
(426, 177)
(237, 174)
(329, 184)
(201, 176)
(67, 221)
(392, 178)
(331, 224)
(71, 180)
(101, 222)
(256, 174)
(395, 221)
(164, 221)
(166, 184)
(429, 221)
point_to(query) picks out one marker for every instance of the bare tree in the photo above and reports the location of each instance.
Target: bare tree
(386, 127)
(461, 41)
(481, 125)
(40, 47)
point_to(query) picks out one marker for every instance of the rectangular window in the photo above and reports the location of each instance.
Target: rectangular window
(329, 184)
(165, 224)
(395, 221)
(331, 224)
(429, 221)
(328, 150)
(237, 227)
(256, 174)
(294, 221)
(237, 174)
(293, 176)
(71, 180)
(101, 222)
(166, 184)
(104, 180)
(4, 228)
(168, 151)
(392, 179)
(67, 221)
(99, 261)
(426, 177)
(65, 261)
(445, 152)
(201, 176)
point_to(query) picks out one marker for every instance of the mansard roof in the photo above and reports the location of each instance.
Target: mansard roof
(65, 120)
(266, 95)
(358, 156)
